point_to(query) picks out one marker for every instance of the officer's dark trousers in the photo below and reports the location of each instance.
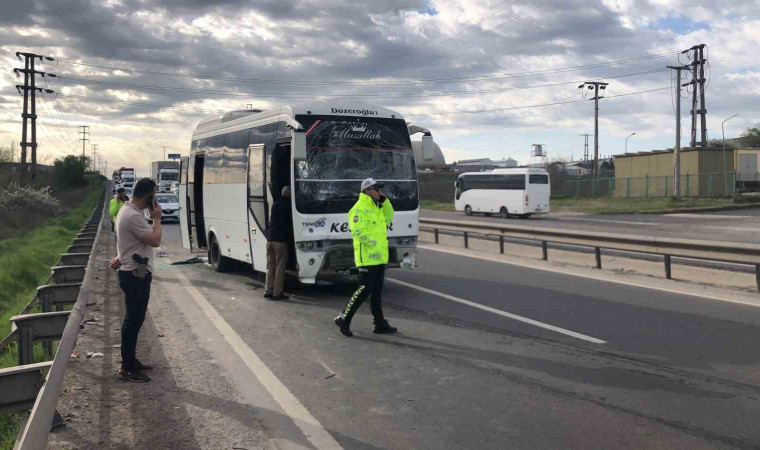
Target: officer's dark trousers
(136, 296)
(371, 279)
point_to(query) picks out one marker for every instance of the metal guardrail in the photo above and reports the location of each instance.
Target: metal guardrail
(731, 252)
(25, 386)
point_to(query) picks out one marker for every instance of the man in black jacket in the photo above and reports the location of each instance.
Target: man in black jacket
(280, 229)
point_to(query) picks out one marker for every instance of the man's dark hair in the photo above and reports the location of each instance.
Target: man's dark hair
(143, 188)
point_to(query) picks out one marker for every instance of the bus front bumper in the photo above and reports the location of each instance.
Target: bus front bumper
(338, 260)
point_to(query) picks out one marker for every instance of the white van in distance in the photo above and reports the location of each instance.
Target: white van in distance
(520, 191)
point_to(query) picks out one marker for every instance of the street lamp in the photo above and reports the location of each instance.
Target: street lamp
(626, 142)
(725, 175)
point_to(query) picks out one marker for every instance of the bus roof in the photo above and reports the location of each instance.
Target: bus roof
(510, 171)
(239, 120)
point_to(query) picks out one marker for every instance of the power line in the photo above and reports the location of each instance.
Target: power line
(349, 96)
(376, 83)
(160, 106)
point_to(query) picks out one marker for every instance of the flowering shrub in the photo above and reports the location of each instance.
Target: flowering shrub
(16, 198)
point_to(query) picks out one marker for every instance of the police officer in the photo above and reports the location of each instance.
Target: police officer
(368, 221)
(116, 203)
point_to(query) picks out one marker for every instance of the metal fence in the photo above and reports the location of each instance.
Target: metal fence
(27, 385)
(692, 185)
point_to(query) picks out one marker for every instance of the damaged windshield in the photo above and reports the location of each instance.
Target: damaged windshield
(341, 152)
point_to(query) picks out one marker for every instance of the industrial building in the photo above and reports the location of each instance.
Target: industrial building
(705, 172)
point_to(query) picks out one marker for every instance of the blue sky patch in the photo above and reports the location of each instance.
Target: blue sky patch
(680, 24)
(427, 8)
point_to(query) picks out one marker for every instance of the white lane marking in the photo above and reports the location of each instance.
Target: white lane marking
(500, 312)
(600, 277)
(730, 228)
(625, 222)
(311, 428)
(709, 216)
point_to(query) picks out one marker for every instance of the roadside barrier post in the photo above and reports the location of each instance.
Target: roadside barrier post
(436, 235)
(667, 267)
(628, 187)
(544, 251)
(466, 237)
(501, 244)
(598, 254)
(757, 276)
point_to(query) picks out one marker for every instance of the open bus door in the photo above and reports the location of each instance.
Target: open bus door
(184, 204)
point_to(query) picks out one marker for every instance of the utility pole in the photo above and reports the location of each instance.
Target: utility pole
(164, 154)
(597, 86)
(30, 108)
(677, 149)
(94, 148)
(585, 146)
(85, 132)
(698, 95)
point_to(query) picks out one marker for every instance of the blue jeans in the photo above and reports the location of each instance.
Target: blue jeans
(136, 296)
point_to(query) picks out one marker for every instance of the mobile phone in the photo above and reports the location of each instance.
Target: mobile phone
(150, 202)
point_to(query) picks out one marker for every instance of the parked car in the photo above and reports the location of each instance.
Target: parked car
(169, 204)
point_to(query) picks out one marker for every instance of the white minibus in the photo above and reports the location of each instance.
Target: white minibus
(519, 191)
(240, 162)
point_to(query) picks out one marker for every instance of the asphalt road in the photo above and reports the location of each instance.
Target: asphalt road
(674, 371)
(736, 226)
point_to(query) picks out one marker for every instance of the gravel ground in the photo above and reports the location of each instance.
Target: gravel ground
(179, 408)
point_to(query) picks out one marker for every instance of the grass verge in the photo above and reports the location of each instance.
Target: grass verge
(25, 263)
(440, 206)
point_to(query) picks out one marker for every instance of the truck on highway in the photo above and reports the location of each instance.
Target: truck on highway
(517, 191)
(166, 175)
(126, 178)
(240, 162)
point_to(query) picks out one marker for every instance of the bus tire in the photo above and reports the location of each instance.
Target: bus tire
(504, 212)
(218, 262)
(467, 210)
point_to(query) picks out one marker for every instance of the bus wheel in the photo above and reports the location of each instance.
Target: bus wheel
(468, 210)
(218, 262)
(503, 212)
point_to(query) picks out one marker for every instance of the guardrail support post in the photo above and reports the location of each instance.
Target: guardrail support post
(544, 251)
(501, 244)
(667, 267)
(466, 237)
(25, 336)
(757, 276)
(436, 235)
(598, 253)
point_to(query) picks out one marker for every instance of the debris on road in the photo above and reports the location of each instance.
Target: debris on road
(74, 355)
(330, 376)
(193, 260)
(94, 355)
(161, 255)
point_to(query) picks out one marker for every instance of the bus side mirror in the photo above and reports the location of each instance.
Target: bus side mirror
(299, 146)
(427, 148)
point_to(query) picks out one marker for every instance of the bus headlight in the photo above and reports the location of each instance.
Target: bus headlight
(300, 245)
(408, 241)
(399, 240)
(310, 245)
(319, 244)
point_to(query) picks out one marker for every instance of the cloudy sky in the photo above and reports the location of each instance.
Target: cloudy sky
(142, 73)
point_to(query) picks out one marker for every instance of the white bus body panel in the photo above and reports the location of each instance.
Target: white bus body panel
(224, 211)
